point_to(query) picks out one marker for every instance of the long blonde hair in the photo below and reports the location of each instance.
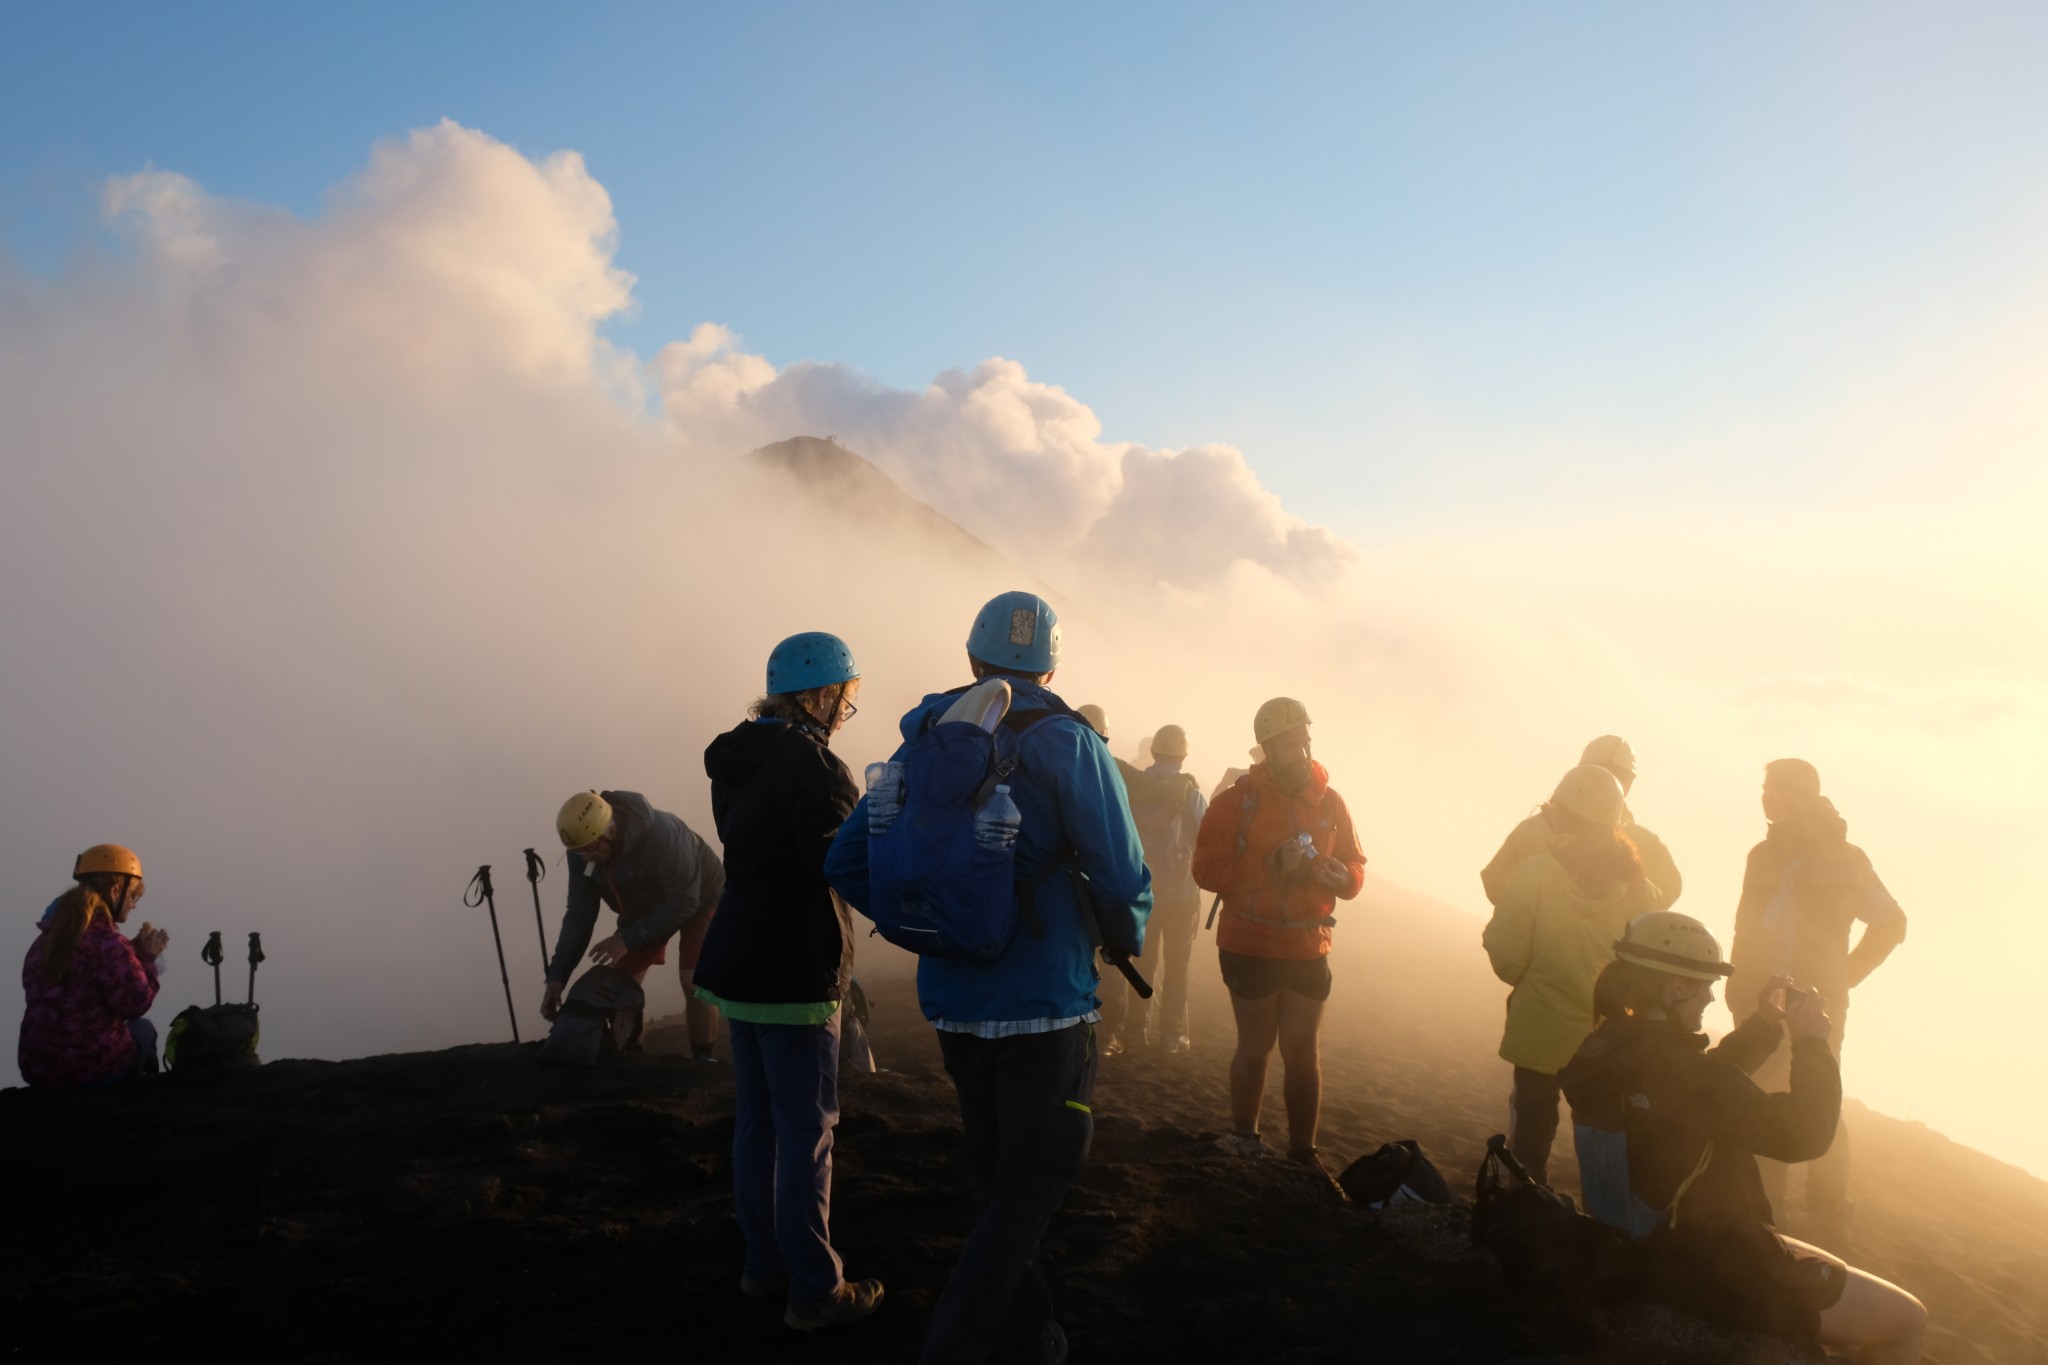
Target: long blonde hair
(69, 920)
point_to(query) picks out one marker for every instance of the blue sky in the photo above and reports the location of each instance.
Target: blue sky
(1390, 252)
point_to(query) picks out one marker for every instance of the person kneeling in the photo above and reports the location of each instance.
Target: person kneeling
(1669, 1134)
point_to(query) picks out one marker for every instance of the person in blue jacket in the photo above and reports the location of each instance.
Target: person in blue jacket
(1018, 1032)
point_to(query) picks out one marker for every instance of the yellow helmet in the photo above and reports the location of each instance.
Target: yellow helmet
(107, 858)
(1667, 941)
(583, 819)
(1097, 721)
(1277, 717)
(1590, 792)
(1170, 742)
(1612, 753)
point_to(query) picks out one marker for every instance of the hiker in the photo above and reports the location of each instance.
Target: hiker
(1804, 888)
(1125, 1014)
(1017, 1029)
(1678, 1131)
(87, 988)
(1168, 807)
(660, 877)
(1280, 850)
(1541, 830)
(1553, 928)
(776, 963)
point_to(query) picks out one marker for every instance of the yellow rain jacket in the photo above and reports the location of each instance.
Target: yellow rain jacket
(1549, 939)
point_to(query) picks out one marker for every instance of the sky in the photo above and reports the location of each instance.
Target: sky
(1505, 376)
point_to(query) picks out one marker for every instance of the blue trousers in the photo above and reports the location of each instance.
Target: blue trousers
(786, 1104)
(1024, 1104)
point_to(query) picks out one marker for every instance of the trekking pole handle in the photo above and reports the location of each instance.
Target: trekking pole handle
(212, 954)
(479, 889)
(255, 950)
(536, 867)
(1132, 975)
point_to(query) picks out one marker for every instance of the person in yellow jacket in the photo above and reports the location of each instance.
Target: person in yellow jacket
(1541, 830)
(1554, 927)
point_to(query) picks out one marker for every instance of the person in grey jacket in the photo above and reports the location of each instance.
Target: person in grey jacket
(660, 877)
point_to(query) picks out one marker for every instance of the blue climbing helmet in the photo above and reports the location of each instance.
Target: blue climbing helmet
(1017, 630)
(815, 658)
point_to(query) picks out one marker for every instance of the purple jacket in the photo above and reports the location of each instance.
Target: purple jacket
(75, 1031)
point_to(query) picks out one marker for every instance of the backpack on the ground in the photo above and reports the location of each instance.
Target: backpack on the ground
(207, 1042)
(942, 840)
(1398, 1173)
(1545, 1246)
(600, 1017)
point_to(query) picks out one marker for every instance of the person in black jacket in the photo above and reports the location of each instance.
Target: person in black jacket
(776, 962)
(1669, 1133)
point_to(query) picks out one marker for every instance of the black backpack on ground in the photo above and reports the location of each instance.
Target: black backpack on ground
(209, 1042)
(601, 1016)
(1398, 1173)
(1545, 1246)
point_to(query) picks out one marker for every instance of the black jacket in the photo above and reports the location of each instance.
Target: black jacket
(1677, 1101)
(781, 936)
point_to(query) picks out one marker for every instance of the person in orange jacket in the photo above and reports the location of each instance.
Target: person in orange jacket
(1279, 849)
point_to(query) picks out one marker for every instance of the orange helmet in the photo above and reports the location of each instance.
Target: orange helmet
(107, 858)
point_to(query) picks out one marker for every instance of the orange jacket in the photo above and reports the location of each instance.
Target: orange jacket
(1264, 916)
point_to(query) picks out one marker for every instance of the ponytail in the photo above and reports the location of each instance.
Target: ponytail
(1626, 988)
(69, 920)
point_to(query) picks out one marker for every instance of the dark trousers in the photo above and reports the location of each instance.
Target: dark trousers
(1532, 1121)
(785, 1105)
(1024, 1105)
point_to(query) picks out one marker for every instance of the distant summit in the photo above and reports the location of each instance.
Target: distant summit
(853, 489)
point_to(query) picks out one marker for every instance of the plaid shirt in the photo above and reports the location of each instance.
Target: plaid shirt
(1014, 1028)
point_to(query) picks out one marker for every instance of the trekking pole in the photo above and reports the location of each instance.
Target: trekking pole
(211, 955)
(480, 893)
(1132, 975)
(255, 957)
(536, 870)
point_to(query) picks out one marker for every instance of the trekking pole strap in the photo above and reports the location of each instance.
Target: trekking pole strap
(536, 868)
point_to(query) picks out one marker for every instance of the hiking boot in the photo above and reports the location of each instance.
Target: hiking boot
(1242, 1144)
(850, 1302)
(765, 1288)
(1179, 1042)
(1114, 1047)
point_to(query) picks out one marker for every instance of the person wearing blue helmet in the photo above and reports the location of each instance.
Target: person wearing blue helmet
(1017, 1031)
(776, 963)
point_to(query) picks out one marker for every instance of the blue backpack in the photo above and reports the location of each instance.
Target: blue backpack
(942, 841)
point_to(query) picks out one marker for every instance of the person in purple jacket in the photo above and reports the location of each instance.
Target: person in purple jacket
(86, 985)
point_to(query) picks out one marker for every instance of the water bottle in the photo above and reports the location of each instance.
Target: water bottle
(885, 796)
(997, 822)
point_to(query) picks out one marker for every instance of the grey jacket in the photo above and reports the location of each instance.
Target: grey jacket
(662, 876)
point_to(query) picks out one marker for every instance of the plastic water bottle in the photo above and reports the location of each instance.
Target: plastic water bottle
(997, 822)
(885, 796)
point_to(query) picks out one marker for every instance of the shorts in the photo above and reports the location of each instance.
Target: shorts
(689, 941)
(1255, 978)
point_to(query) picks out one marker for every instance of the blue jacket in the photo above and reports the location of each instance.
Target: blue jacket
(1074, 807)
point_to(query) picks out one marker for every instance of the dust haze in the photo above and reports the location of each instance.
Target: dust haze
(338, 551)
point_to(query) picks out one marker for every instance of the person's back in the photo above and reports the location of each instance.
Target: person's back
(75, 1027)
(1017, 1030)
(1168, 807)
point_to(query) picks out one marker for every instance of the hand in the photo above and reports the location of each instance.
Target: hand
(150, 941)
(1807, 1014)
(551, 1001)
(1770, 1002)
(1291, 862)
(610, 952)
(1330, 872)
